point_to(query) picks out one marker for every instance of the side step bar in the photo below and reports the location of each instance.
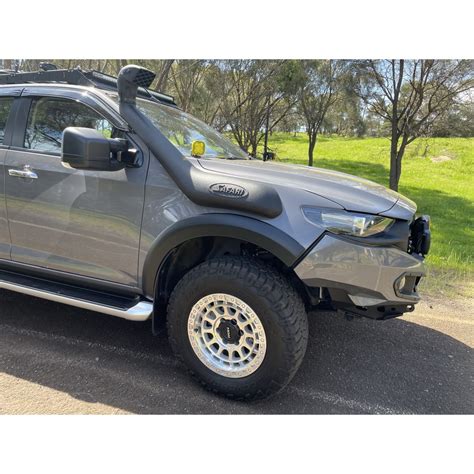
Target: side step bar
(126, 308)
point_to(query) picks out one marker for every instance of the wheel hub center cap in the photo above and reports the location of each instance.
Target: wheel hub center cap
(229, 331)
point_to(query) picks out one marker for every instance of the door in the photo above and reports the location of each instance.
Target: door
(77, 221)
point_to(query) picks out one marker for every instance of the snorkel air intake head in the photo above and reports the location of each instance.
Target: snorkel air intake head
(130, 78)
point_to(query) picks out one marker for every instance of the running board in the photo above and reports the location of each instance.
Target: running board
(133, 309)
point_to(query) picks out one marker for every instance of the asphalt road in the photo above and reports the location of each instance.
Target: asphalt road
(59, 359)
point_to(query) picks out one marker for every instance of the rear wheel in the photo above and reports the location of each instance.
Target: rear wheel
(239, 326)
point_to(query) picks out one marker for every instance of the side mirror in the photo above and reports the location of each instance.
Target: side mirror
(88, 149)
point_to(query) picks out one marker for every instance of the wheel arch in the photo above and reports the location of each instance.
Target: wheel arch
(228, 226)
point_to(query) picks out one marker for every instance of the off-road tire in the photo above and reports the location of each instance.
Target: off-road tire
(277, 304)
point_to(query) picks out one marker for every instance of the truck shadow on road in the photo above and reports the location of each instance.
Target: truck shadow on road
(361, 366)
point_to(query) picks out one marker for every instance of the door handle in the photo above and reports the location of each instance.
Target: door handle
(26, 172)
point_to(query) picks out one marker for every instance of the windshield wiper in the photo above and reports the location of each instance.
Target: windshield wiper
(48, 137)
(220, 157)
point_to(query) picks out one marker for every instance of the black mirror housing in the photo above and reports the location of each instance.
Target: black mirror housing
(86, 148)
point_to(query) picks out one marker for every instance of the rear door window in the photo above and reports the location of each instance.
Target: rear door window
(5, 106)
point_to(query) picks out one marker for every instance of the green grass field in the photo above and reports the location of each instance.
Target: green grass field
(438, 174)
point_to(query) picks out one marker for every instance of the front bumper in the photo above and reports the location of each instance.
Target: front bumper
(377, 282)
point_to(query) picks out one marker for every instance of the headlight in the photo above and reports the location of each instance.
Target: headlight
(349, 223)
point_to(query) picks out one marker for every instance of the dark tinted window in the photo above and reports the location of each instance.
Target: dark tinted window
(49, 117)
(5, 106)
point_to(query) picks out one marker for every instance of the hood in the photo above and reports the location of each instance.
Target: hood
(350, 192)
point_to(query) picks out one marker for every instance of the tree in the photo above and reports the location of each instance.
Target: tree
(207, 104)
(458, 121)
(255, 96)
(317, 94)
(186, 76)
(346, 116)
(410, 96)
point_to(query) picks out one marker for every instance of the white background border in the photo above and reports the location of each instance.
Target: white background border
(236, 29)
(219, 29)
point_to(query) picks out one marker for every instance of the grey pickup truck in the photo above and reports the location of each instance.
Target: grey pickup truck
(116, 201)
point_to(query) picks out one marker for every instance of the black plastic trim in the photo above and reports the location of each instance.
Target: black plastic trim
(340, 301)
(21, 119)
(388, 310)
(420, 236)
(10, 125)
(57, 276)
(254, 231)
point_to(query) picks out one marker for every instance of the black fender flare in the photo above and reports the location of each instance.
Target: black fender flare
(248, 229)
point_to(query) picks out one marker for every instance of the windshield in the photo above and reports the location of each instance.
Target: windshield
(181, 129)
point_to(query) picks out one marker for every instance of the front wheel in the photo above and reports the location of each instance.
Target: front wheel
(239, 326)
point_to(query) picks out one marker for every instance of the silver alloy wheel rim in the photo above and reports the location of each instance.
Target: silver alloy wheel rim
(237, 359)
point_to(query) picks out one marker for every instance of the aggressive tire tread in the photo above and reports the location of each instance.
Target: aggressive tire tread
(279, 297)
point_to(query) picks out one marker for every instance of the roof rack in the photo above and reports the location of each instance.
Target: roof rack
(77, 77)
